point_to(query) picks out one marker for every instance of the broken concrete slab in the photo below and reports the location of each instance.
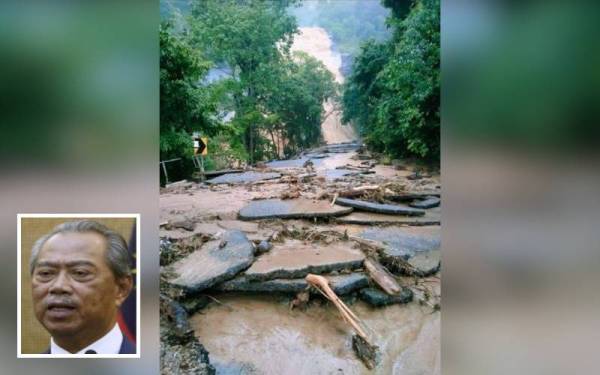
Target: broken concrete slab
(401, 245)
(295, 259)
(424, 263)
(293, 163)
(369, 218)
(341, 284)
(407, 197)
(291, 209)
(244, 226)
(243, 178)
(378, 298)
(209, 229)
(214, 264)
(429, 202)
(379, 208)
(222, 172)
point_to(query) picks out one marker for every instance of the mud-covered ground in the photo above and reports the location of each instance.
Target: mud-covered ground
(260, 333)
(282, 333)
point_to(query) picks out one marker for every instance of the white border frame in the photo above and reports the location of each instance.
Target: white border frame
(137, 287)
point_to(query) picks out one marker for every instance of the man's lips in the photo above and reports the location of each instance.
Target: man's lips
(60, 309)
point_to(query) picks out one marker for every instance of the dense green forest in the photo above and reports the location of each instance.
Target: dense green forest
(267, 101)
(269, 94)
(393, 93)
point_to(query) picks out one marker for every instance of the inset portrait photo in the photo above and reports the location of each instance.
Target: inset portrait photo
(78, 278)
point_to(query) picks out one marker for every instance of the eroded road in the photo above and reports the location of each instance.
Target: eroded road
(235, 250)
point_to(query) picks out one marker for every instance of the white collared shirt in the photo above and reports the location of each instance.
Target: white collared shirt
(107, 344)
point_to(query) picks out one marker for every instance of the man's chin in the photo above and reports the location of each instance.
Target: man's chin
(61, 328)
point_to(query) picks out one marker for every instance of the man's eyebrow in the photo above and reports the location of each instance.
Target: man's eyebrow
(69, 264)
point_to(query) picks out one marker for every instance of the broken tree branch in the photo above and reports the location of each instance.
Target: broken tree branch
(382, 277)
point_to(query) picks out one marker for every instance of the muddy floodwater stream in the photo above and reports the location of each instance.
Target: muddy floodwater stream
(260, 334)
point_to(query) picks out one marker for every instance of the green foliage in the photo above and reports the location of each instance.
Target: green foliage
(250, 37)
(300, 87)
(272, 94)
(185, 106)
(393, 94)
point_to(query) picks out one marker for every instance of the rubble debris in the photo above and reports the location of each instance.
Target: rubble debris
(382, 277)
(380, 208)
(429, 202)
(242, 178)
(377, 298)
(206, 267)
(292, 209)
(341, 284)
(294, 259)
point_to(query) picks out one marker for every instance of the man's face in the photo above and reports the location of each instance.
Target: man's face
(75, 294)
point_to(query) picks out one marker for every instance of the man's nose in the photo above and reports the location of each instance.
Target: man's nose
(61, 284)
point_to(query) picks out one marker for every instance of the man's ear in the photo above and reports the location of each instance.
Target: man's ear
(124, 286)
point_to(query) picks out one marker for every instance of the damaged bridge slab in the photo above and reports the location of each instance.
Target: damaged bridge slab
(291, 209)
(219, 262)
(369, 218)
(341, 284)
(243, 178)
(390, 209)
(418, 248)
(296, 259)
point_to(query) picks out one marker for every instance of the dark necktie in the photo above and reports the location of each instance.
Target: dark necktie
(90, 351)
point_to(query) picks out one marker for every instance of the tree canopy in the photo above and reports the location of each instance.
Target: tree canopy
(393, 93)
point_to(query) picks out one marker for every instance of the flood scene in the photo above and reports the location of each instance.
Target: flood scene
(327, 261)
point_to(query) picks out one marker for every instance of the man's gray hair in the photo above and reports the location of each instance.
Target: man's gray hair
(117, 255)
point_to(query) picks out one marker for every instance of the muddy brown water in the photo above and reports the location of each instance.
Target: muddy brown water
(258, 332)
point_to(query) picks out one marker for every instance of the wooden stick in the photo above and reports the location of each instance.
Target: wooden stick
(322, 285)
(382, 277)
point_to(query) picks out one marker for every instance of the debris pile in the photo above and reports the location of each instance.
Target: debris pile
(323, 225)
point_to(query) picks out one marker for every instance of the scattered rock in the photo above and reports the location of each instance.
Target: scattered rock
(208, 266)
(295, 259)
(378, 298)
(430, 202)
(294, 209)
(379, 208)
(264, 246)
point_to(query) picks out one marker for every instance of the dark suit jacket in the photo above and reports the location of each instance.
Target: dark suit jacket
(127, 347)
